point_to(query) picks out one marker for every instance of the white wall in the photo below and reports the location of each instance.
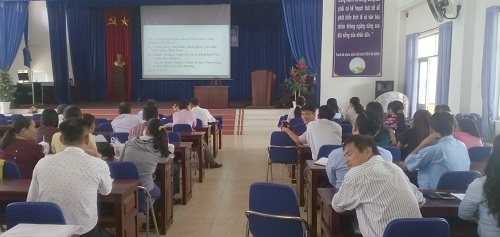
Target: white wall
(343, 88)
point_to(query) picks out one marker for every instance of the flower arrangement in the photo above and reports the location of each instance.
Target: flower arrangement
(297, 82)
(7, 86)
(33, 110)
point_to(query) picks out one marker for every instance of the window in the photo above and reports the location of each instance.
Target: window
(39, 76)
(497, 83)
(427, 71)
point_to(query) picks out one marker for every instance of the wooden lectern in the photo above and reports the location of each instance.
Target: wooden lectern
(262, 88)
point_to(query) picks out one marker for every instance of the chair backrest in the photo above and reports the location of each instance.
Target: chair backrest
(160, 116)
(166, 120)
(128, 171)
(395, 151)
(299, 129)
(33, 213)
(4, 121)
(3, 116)
(105, 127)
(325, 150)
(282, 148)
(174, 137)
(457, 180)
(36, 117)
(417, 227)
(14, 116)
(10, 170)
(273, 199)
(99, 121)
(182, 128)
(199, 123)
(480, 153)
(280, 121)
(219, 119)
(337, 120)
(346, 129)
(295, 121)
(121, 136)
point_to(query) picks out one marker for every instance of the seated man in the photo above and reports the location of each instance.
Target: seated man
(201, 114)
(438, 153)
(149, 112)
(125, 121)
(72, 180)
(185, 116)
(379, 191)
(368, 123)
(57, 146)
(319, 132)
(149, 103)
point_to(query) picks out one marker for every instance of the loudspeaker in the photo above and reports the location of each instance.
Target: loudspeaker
(382, 87)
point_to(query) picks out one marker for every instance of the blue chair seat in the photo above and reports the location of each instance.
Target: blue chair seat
(33, 213)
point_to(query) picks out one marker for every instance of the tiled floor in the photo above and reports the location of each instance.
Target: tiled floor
(219, 203)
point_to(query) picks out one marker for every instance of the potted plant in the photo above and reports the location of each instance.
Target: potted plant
(7, 90)
(297, 81)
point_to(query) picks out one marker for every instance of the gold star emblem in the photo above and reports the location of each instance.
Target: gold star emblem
(125, 21)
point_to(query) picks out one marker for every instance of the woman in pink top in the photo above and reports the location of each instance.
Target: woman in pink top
(467, 132)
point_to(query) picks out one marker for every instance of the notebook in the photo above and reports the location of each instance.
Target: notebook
(321, 161)
(459, 195)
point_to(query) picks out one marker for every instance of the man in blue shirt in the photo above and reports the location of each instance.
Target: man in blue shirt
(367, 123)
(438, 153)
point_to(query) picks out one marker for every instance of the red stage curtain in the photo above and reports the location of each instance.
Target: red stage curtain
(118, 41)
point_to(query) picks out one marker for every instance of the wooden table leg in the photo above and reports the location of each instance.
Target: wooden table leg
(186, 177)
(201, 160)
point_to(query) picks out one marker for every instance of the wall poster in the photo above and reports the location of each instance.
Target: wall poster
(358, 38)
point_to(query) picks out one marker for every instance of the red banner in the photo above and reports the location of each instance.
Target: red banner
(118, 41)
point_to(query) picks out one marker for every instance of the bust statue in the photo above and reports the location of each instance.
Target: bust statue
(119, 61)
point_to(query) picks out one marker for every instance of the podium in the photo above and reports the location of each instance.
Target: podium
(212, 96)
(262, 88)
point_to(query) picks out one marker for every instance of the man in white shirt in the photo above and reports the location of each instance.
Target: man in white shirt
(72, 180)
(321, 131)
(379, 191)
(367, 123)
(201, 114)
(125, 121)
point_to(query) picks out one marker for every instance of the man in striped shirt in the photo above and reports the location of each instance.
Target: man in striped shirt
(379, 191)
(148, 113)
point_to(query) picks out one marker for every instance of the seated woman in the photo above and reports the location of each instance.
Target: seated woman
(353, 110)
(18, 145)
(49, 124)
(411, 138)
(482, 198)
(332, 103)
(466, 132)
(385, 136)
(146, 152)
(396, 119)
(296, 112)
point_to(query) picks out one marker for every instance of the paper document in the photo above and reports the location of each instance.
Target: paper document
(459, 195)
(321, 161)
(41, 230)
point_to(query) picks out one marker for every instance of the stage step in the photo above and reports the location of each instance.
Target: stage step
(261, 121)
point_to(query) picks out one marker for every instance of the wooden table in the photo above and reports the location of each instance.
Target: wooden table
(335, 224)
(123, 196)
(304, 152)
(215, 135)
(184, 151)
(164, 176)
(313, 174)
(196, 137)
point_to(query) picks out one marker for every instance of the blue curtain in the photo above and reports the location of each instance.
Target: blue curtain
(58, 50)
(87, 47)
(26, 50)
(262, 45)
(444, 62)
(13, 19)
(411, 71)
(489, 71)
(304, 26)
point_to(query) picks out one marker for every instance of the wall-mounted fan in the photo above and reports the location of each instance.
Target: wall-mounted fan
(440, 8)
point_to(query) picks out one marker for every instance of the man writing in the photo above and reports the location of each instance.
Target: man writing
(72, 179)
(379, 191)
